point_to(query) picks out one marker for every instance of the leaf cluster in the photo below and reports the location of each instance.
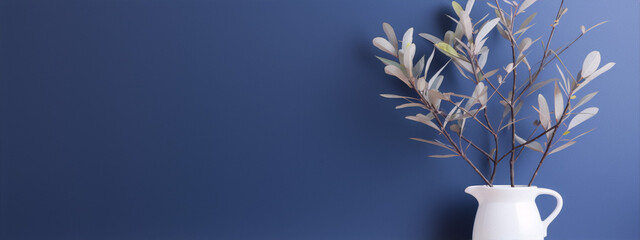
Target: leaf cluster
(450, 113)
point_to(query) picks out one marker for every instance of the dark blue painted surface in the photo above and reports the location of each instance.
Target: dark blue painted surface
(260, 120)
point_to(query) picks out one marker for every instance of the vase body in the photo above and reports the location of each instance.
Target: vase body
(510, 213)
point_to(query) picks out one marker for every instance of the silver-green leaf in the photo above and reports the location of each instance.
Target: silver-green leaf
(595, 74)
(558, 102)
(391, 35)
(397, 72)
(566, 145)
(417, 69)
(590, 64)
(406, 105)
(395, 96)
(444, 156)
(389, 62)
(430, 38)
(585, 99)
(486, 29)
(545, 118)
(385, 46)
(537, 86)
(525, 5)
(582, 116)
(536, 146)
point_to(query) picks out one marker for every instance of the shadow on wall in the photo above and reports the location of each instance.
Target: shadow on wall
(455, 220)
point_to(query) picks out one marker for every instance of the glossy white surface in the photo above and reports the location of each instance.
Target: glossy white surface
(506, 213)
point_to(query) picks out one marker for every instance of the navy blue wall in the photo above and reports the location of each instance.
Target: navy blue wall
(261, 120)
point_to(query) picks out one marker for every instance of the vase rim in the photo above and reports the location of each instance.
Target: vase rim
(505, 186)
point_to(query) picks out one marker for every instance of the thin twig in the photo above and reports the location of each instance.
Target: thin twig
(545, 53)
(444, 132)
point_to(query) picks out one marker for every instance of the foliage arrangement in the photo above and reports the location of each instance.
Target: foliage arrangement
(451, 113)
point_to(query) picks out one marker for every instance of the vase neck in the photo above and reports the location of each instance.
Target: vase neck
(502, 193)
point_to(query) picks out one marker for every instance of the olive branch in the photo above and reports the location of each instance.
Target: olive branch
(510, 85)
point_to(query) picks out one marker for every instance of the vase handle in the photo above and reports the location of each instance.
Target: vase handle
(556, 211)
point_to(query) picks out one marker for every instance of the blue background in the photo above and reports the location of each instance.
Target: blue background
(261, 120)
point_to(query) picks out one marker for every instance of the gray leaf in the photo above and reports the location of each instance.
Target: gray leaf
(564, 80)
(566, 145)
(482, 60)
(397, 72)
(486, 29)
(391, 35)
(385, 46)
(585, 99)
(594, 75)
(502, 32)
(490, 73)
(443, 156)
(406, 105)
(469, 6)
(389, 62)
(430, 38)
(596, 26)
(426, 119)
(407, 39)
(527, 21)
(525, 5)
(524, 44)
(558, 102)
(590, 64)
(435, 84)
(582, 116)
(395, 96)
(467, 27)
(437, 73)
(421, 84)
(545, 118)
(523, 30)
(407, 58)
(417, 69)
(428, 64)
(536, 146)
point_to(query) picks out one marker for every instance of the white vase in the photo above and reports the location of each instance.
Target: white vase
(510, 213)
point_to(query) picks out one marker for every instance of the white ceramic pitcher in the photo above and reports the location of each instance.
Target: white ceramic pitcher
(510, 213)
